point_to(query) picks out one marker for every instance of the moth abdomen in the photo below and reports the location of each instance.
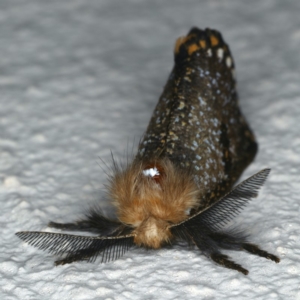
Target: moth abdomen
(197, 122)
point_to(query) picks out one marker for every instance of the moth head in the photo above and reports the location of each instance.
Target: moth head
(150, 197)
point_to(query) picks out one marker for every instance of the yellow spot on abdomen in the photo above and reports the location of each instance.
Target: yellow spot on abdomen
(181, 105)
(214, 40)
(192, 49)
(202, 43)
(226, 154)
(178, 43)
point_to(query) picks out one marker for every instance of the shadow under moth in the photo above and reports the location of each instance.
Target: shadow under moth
(180, 183)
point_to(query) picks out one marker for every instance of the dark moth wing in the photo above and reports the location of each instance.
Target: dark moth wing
(197, 122)
(77, 247)
(206, 230)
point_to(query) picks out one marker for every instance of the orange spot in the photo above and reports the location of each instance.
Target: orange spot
(202, 43)
(192, 48)
(214, 40)
(181, 40)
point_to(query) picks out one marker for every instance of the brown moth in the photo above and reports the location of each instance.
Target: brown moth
(180, 184)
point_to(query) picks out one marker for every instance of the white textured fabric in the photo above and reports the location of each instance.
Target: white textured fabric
(78, 79)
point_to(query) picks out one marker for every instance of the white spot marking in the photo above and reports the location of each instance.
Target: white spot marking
(181, 105)
(228, 62)
(202, 102)
(188, 211)
(151, 172)
(209, 53)
(220, 53)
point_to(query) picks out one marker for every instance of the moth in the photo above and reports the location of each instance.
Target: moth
(180, 185)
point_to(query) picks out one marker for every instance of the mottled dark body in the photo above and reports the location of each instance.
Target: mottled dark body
(197, 122)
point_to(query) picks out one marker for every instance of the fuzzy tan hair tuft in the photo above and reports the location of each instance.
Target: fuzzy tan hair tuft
(150, 204)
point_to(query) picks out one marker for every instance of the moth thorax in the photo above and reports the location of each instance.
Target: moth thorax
(152, 233)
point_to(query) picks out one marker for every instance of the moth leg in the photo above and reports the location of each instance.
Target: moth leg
(80, 226)
(254, 249)
(229, 241)
(206, 245)
(224, 260)
(238, 242)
